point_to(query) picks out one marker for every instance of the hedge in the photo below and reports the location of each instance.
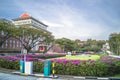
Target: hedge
(83, 69)
(98, 69)
(42, 56)
(10, 51)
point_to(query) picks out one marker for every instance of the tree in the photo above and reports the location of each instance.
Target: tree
(114, 42)
(34, 37)
(7, 30)
(66, 44)
(91, 45)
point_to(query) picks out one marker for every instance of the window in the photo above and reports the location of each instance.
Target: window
(10, 43)
(6, 44)
(20, 45)
(13, 44)
(3, 46)
(17, 44)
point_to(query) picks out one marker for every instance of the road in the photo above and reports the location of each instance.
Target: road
(4, 76)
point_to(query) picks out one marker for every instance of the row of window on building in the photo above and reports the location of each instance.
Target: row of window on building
(12, 44)
(31, 22)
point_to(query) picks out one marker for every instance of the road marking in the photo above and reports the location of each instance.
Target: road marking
(102, 78)
(80, 77)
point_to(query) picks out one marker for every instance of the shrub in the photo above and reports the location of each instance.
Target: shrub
(106, 66)
(10, 51)
(38, 67)
(42, 56)
(9, 64)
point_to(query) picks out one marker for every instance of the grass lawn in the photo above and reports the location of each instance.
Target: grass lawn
(81, 57)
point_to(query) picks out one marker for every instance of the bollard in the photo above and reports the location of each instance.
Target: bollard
(47, 68)
(53, 69)
(22, 66)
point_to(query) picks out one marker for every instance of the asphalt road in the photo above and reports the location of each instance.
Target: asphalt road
(4, 76)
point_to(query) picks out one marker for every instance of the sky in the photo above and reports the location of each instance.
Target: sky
(73, 19)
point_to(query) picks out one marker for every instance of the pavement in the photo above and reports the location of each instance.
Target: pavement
(7, 74)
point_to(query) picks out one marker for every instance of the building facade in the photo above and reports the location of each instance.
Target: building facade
(25, 20)
(11, 43)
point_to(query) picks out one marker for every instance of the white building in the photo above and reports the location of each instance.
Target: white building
(26, 20)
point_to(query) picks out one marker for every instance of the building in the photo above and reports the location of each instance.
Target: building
(25, 20)
(11, 43)
(28, 21)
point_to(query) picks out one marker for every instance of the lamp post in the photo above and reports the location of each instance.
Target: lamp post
(22, 63)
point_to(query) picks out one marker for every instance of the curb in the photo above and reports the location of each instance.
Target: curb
(74, 77)
(113, 78)
(100, 78)
(35, 75)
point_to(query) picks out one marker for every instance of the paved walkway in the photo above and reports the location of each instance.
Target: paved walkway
(7, 74)
(4, 76)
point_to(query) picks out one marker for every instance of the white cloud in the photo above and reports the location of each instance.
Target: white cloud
(64, 21)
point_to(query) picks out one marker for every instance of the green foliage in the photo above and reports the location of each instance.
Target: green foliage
(114, 42)
(82, 69)
(89, 45)
(8, 29)
(92, 45)
(66, 44)
(10, 51)
(33, 37)
(9, 64)
(38, 67)
(98, 69)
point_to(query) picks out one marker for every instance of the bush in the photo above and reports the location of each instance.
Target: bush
(42, 56)
(38, 67)
(9, 64)
(10, 51)
(105, 67)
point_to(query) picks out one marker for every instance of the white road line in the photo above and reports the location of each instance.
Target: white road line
(79, 77)
(103, 78)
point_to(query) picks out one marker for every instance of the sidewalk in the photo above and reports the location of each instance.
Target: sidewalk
(61, 77)
(9, 71)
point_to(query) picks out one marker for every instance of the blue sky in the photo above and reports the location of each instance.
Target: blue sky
(74, 19)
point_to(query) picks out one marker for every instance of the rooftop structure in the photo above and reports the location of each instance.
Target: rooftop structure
(29, 21)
